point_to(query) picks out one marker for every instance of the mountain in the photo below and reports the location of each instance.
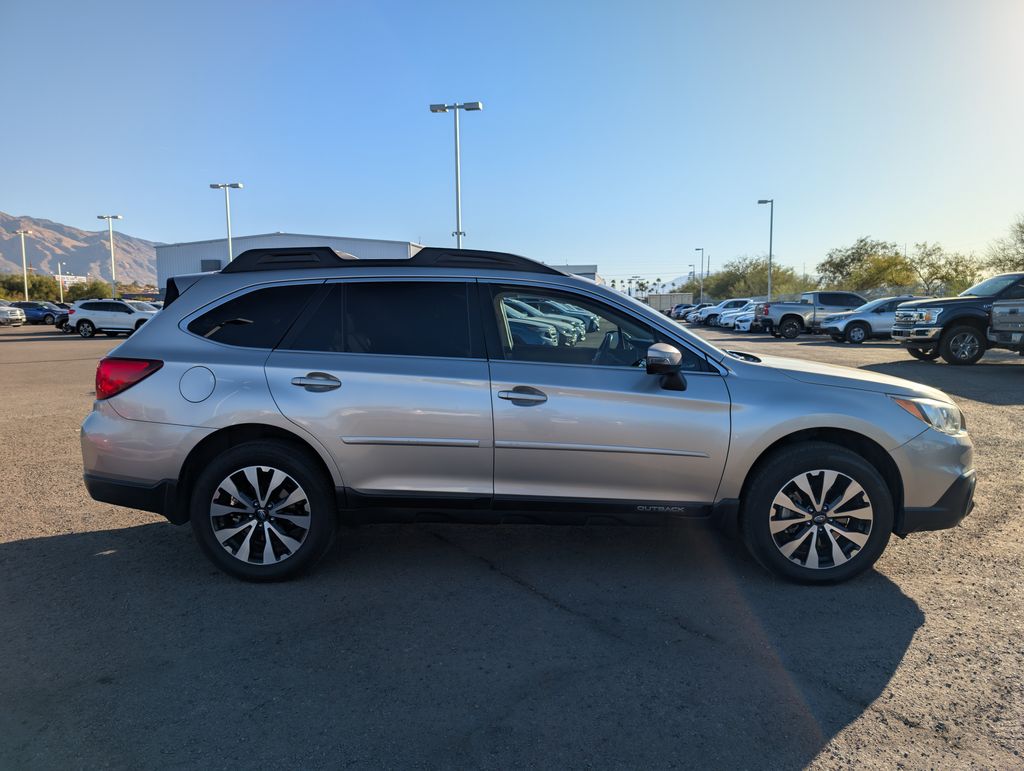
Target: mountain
(85, 252)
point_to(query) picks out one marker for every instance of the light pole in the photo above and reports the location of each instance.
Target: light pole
(771, 228)
(701, 250)
(469, 107)
(226, 187)
(60, 279)
(24, 264)
(110, 230)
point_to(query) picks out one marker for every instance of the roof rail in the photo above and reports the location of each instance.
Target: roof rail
(430, 257)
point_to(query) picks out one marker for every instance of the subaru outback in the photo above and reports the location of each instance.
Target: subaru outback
(281, 396)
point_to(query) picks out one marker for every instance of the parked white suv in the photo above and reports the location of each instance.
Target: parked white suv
(710, 314)
(113, 317)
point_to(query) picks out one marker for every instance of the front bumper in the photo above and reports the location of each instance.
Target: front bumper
(832, 330)
(1012, 340)
(955, 504)
(912, 335)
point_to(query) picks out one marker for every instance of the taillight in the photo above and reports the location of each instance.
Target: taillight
(116, 375)
(767, 307)
(71, 311)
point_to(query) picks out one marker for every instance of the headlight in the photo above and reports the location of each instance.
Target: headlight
(927, 315)
(942, 416)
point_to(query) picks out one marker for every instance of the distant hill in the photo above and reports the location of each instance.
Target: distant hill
(86, 252)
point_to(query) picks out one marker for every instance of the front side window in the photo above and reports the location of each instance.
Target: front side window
(1015, 292)
(256, 319)
(393, 318)
(570, 329)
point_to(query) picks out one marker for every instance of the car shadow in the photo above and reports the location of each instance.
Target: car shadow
(435, 645)
(990, 382)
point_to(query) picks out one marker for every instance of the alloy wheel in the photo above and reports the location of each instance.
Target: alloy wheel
(857, 334)
(260, 515)
(964, 345)
(820, 519)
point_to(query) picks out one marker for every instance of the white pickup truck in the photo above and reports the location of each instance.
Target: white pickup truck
(1006, 325)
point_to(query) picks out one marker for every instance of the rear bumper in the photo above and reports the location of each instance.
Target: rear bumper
(955, 504)
(158, 498)
(912, 335)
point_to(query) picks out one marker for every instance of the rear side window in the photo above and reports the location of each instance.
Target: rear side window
(257, 319)
(91, 306)
(393, 318)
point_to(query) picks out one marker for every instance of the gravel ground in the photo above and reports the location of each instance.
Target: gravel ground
(458, 646)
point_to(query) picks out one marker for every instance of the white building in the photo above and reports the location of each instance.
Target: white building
(198, 256)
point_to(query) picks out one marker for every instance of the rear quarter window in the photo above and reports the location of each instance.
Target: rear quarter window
(256, 319)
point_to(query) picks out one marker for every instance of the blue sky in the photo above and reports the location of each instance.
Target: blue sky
(619, 133)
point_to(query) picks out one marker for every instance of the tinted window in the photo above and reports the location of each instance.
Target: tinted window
(91, 306)
(1014, 292)
(114, 307)
(257, 319)
(395, 318)
(571, 329)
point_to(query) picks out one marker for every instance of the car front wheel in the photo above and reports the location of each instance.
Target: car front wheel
(962, 345)
(262, 511)
(817, 513)
(857, 333)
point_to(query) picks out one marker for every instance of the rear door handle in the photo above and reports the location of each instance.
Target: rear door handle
(317, 381)
(523, 396)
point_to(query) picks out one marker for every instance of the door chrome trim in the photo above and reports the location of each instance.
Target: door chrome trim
(514, 445)
(411, 441)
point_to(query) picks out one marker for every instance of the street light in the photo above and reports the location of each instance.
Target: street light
(24, 264)
(60, 279)
(469, 107)
(701, 250)
(110, 228)
(226, 187)
(771, 228)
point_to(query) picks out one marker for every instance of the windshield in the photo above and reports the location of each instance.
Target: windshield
(990, 286)
(870, 306)
(695, 340)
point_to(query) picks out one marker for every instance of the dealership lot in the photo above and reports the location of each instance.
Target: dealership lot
(499, 646)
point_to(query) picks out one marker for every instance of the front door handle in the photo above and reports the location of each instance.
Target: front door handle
(317, 382)
(524, 396)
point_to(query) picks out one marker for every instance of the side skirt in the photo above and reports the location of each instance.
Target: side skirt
(362, 507)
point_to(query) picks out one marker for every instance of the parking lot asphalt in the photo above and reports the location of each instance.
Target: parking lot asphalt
(462, 646)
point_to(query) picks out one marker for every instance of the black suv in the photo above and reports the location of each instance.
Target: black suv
(954, 327)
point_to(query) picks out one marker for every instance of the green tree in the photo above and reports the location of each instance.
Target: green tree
(93, 288)
(940, 271)
(40, 287)
(1007, 254)
(867, 264)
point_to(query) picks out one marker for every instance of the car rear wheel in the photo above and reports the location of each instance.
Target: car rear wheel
(86, 328)
(962, 345)
(857, 333)
(817, 513)
(48, 318)
(711, 320)
(262, 511)
(790, 328)
(924, 354)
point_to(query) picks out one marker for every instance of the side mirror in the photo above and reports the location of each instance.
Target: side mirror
(666, 360)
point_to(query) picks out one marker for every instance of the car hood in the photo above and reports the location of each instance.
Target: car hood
(838, 376)
(839, 315)
(934, 302)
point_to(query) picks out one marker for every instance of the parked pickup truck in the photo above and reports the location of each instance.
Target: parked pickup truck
(1006, 326)
(954, 327)
(791, 319)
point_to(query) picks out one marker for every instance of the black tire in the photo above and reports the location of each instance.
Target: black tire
(924, 354)
(962, 345)
(772, 477)
(790, 328)
(85, 328)
(857, 332)
(711, 320)
(294, 461)
(48, 318)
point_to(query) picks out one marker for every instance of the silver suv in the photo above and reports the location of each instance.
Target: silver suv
(297, 388)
